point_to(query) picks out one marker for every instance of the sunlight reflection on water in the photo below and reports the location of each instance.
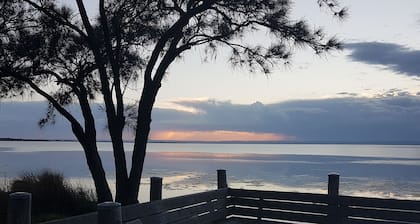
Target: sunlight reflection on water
(189, 183)
(366, 170)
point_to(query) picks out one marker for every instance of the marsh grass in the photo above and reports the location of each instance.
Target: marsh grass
(52, 196)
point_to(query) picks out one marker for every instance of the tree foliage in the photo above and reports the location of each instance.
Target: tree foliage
(67, 57)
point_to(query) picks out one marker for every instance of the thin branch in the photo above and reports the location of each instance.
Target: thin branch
(57, 17)
(75, 124)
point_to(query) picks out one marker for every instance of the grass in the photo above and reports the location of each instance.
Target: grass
(52, 196)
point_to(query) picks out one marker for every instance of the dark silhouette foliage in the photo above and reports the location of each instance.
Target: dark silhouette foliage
(3, 205)
(52, 196)
(67, 57)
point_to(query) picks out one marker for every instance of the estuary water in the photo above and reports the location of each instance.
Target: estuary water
(386, 171)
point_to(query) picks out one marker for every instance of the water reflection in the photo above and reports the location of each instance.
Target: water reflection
(190, 172)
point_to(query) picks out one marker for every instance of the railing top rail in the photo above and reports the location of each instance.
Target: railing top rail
(279, 195)
(380, 203)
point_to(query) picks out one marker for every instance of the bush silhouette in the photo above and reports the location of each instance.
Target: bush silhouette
(3, 205)
(53, 197)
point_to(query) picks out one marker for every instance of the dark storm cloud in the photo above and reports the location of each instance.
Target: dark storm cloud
(388, 119)
(385, 119)
(394, 57)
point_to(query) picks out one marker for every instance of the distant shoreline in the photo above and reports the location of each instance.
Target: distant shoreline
(35, 140)
(225, 142)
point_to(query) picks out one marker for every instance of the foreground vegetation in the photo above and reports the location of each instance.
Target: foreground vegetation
(52, 196)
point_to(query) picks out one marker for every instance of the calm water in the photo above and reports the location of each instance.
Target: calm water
(388, 151)
(366, 170)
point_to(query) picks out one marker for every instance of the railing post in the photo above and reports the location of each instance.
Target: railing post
(155, 188)
(109, 213)
(333, 203)
(221, 179)
(333, 184)
(19, 208)
(222, 184)
(260, 208)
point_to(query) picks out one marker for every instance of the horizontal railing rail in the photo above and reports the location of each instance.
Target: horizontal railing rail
(278, 206)
(374, 210)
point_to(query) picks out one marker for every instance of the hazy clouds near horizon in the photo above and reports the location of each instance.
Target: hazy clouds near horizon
(383, 119)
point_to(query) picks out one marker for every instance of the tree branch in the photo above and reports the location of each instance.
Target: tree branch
(107, 95)
(171, 32)
(75, 124)
(169, 57)
(87, 114)
(114, 64)
(57, 17)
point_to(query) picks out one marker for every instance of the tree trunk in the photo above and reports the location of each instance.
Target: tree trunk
(98, 174)
(121, 176)
(139, 154)
(95, 166)
(140, 143)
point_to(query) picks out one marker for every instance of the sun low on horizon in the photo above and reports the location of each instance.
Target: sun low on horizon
(217, 136)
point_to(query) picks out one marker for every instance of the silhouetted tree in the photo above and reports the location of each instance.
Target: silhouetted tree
(67, 57)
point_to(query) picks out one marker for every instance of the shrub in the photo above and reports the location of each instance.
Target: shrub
(53, 197)
(3, 204)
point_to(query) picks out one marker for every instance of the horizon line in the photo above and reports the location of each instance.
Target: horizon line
(232, 142)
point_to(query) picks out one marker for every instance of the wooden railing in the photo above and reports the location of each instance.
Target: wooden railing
(203, 207)
(278, 206)
(253, 206)
(314, 208)
(372, 210)
(196, 208)
(275, 207)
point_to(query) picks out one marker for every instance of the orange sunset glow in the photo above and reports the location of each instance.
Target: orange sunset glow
(217, 135)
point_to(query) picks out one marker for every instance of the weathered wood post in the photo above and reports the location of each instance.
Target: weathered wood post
(221, 179)
(109, 213)
(155, 188)
(333, 184)
(222, 184)
(19, 208)
(333, 203)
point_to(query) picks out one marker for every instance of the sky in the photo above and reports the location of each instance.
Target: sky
(368, 92)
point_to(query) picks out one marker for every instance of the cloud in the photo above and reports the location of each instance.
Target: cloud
(394, 57)
(384, 119)
(394, 92)
(348, 94)
(392, 118)
(21, 120)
